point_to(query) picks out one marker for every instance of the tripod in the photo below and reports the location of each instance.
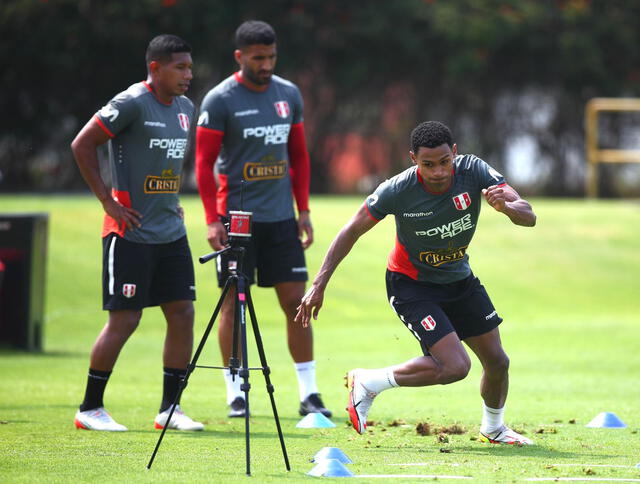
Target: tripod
(237, 366)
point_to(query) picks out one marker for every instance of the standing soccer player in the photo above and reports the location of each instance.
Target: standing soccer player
(252, 124)
(146, 256)
(430, 285)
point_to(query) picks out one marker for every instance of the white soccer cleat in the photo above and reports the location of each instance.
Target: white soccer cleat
(179, 421)
(504, 435)
(97, 419)
(360, 400)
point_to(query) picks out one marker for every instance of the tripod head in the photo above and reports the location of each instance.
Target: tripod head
(239, 231)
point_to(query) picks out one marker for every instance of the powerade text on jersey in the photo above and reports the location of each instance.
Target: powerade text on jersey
(146, 152)
(256, 127)
(433, 231)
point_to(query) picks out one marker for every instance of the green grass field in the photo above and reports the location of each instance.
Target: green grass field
(567, 289)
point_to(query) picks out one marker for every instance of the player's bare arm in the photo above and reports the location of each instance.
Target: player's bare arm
(84, 148)
(340, 247)
(506, 200)
(305, 229)
(217, 235)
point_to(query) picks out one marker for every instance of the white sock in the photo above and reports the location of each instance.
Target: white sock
(492, 419)
(306, 372)
(233, 386)
(378, 380)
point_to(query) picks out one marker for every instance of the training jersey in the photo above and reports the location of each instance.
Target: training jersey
(433, 230)
(146, 152)
(253, 165)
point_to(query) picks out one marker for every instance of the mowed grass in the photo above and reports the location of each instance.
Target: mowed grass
(567, 289)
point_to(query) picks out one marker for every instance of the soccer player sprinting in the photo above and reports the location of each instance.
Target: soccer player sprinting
(251, 128)
(430, 285)
(146, 255)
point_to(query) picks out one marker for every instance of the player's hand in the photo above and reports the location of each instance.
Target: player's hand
(496, 197)
(217, 235)
(305, 229)
(309, 306)
(121, 214)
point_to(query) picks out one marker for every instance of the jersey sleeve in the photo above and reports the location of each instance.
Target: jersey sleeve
(118, 113)
(297, 108)
(487, 175)
(213, 112)
(381, 202)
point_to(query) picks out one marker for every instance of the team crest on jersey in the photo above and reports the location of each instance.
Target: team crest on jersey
(128, 290)
(462, 201)
(183, 119)
(282, 108)
(428, 323)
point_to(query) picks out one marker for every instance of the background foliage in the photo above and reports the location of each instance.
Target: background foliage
(511, 77)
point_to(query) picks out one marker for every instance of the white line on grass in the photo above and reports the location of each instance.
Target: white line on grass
(591, 465)
(417, 464)
(599, 479)
(412, 476)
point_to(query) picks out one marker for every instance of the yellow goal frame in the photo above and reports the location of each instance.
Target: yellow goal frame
(594, 154)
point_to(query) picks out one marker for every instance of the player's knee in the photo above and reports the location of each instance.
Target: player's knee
(123, 323)
(456, 371)
(498, 365)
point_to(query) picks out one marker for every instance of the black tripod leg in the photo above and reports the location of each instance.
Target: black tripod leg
(244, 368)
(192, 366)
(266, 371)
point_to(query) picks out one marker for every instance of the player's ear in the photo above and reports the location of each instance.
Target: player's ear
(153, 67)
(237, 55)
(454, 149)
(413, 157)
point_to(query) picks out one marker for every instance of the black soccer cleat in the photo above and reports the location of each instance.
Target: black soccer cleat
(237, 408)
(313, 404)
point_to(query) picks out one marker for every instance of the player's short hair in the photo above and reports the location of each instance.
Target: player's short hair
(254, 32)
(430, 134)
(162, 46)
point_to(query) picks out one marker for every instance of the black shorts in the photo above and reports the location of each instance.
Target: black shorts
(431, 311)
(136, 276)
(274, 249)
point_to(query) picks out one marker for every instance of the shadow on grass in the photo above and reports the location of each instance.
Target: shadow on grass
(9, 352)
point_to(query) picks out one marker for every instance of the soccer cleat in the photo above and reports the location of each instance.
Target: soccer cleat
(97, 419)
(360, 400)
(313, 404)
(504, 435)
(237, 408)
(179, 421)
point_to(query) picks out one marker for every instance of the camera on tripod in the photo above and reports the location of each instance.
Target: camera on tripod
(239, 226)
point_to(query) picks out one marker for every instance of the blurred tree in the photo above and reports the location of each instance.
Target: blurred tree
(496, 71)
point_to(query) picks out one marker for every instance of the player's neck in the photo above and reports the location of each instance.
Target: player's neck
(164, 98)
(250, 85)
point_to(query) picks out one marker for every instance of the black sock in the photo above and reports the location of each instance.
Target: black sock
(172, 377)
(96, 383)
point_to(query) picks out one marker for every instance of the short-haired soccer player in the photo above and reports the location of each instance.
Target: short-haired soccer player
(251, 128)
(430, 285)
(146, 255)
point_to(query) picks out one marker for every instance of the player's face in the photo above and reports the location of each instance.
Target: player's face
(257, 63)
(435, 166)
(173, 78)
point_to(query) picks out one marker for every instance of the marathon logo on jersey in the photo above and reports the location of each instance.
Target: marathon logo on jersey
(428, 323)
(183, 119)
(282, 108)
(462, 201)
(175, 147)
(265, 170)
(436, 258)
(165, 183)
(449, 230)
(128, 290)
(276, 134)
